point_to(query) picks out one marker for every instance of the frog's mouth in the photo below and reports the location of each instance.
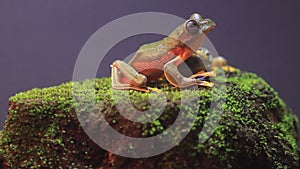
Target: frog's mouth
(207, 25)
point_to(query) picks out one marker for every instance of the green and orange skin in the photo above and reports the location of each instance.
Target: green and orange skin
(160, 59)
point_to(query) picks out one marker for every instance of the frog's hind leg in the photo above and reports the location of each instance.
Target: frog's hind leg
(134, 80)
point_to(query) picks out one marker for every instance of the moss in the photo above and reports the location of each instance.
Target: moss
(256, 127)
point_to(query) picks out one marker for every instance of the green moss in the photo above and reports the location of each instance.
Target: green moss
(249, 107)
(42, 130)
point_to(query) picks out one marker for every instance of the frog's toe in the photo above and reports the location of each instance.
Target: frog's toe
(205, 83)
(226, 68)
(229, 68)
(154, 89)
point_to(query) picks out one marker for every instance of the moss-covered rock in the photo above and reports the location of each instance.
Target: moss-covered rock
(256, 129)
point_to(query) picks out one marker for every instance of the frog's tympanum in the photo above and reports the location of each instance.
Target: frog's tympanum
(160, 59)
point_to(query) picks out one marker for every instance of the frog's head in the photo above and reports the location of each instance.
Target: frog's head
(193, 31)
(198, 24)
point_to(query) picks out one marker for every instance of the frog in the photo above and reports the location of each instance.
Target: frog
(160, 60)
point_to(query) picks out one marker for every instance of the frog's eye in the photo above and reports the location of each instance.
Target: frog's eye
(191, 26)
(196, 17)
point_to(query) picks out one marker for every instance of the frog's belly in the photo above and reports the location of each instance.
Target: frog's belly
(152, 70)
(152, 74)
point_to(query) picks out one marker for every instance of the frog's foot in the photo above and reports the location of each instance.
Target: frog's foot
(154, 89)
(203, 74)
(218, 62)
(128, 87)
(142, 89)
(205, 83)
(228, 68)
(221, 63)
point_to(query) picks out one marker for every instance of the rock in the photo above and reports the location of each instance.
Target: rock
(3, 164)
(256, 129)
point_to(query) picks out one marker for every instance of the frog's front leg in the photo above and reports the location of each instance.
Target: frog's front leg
(177, 79)
(204, 55)
(126, 77)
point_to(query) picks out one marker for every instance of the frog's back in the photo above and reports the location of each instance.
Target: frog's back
(151, 58)
(153, 45)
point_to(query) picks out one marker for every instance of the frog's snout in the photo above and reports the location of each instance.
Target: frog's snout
(207, 25)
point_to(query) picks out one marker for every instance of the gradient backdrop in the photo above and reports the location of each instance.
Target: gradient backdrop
(40, 40)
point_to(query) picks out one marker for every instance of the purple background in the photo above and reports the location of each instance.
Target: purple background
(40, 40)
